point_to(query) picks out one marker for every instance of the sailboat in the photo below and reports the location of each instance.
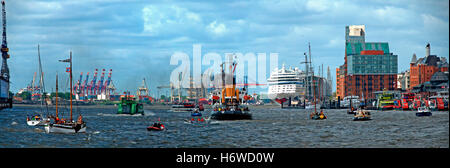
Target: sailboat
(63, 125)
(39, 120)
(315, 115)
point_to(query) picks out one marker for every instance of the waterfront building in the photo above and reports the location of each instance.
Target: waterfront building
(422, 69)
(403, 80)
(340, 76)
(368, 66)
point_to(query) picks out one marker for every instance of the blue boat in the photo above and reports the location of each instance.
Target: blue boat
(423, 111)
(196, 114)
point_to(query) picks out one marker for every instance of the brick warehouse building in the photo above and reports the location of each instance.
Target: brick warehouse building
(368, 66)
(422, 70)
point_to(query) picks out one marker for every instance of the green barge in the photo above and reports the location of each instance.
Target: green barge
(129, 105)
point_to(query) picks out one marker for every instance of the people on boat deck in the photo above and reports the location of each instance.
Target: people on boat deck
(157, 125)
(80, 119)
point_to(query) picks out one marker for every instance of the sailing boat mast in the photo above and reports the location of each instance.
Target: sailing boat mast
(56, 100)
(41, 81)
(70, 59)
(314, 88)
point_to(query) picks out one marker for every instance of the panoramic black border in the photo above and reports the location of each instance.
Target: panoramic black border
(288, 157)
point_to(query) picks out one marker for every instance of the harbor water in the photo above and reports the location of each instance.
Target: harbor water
(270, 127)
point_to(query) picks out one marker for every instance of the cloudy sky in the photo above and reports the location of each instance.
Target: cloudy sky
(137, 38)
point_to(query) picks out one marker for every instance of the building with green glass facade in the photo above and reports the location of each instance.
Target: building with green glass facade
(368, 67)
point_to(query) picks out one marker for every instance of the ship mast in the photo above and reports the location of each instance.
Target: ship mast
(70, 72)
(314, 88)
(70, 59)
(56, 100)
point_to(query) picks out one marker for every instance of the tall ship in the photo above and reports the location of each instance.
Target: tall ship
(5, 97)
(285, 84)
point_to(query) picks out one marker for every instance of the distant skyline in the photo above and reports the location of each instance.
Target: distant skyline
(137, 38)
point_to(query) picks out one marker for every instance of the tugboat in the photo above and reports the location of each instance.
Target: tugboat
(230, 107)
(423, 111)
(129, 105)
(64, 125)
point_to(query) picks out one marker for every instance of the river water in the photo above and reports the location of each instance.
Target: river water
(270, 127)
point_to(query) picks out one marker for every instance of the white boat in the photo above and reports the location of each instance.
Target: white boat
(285, 83)
(61, 125)
(423, 111)
(66, 128)
(312, 106)
(39, 122)
(345, 103)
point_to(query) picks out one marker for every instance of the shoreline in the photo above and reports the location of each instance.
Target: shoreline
(146, 106)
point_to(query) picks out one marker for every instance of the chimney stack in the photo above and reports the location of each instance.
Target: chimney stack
(428, 50)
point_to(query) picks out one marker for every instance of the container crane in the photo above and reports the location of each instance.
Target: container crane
(91, 86)
(78, 85)
(107, 82)
(99, 85)
(84, 86)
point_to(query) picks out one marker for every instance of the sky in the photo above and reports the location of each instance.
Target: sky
(136, 39)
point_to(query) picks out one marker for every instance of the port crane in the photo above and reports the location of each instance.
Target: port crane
(5, 49)
(91, 86)
(99, 86)
(78, 85)
(84, 86)
(143, 88)
(107, 82)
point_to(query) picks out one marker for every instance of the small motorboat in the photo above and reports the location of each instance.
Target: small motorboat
(423, 111)
(362, 115)
(317, 116)
(196, 113)
(37, 121)
(156, 127)
(351, 111)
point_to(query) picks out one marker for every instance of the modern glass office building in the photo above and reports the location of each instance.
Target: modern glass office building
(368, 67)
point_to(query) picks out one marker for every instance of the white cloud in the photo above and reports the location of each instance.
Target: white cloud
(318, 5)
(432, 23)
(162, 17)
(216, 28)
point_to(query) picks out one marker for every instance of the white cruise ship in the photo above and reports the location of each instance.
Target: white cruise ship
(285, 83)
